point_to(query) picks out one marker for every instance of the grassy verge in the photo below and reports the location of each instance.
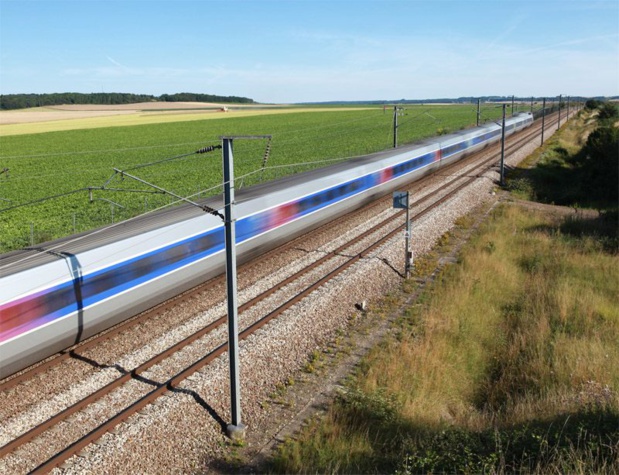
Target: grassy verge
(508, 364)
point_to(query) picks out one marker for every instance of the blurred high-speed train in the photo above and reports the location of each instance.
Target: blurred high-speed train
(67, 290)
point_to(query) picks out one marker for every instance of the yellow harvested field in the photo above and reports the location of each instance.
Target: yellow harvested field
(91, 116)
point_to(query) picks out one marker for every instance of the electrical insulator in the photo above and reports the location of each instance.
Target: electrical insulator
(210, 148)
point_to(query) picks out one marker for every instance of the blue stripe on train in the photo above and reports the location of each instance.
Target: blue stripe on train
(133, 272)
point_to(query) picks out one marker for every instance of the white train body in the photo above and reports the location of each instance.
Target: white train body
(67, 290)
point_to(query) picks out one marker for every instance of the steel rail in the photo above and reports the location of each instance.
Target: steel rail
(126, 325)
(173, 382)
(170, 383)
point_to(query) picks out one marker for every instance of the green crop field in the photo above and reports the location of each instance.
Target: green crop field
(54, 163)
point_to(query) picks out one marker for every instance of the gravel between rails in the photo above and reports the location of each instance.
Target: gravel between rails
(182, 432)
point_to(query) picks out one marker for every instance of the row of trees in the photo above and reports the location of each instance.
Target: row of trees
(191, 97)
(22, 101)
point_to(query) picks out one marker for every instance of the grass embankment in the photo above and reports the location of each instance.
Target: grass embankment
(508, 364)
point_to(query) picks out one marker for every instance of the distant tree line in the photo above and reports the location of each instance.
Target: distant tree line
(462, 100)
(22, 101)
(191, 97)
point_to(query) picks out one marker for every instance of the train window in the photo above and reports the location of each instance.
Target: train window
(316, 201)
(304, 205)
(451, 149)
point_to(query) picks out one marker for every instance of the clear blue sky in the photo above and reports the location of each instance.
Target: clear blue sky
(311, 50)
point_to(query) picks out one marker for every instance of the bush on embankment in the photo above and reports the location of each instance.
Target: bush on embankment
(578, 167)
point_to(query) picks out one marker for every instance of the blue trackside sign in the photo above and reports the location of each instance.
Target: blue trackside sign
(400, 199)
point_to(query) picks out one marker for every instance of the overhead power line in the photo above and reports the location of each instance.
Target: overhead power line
(122, 173)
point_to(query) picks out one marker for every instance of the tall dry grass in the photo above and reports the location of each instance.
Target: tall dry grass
(509, 365)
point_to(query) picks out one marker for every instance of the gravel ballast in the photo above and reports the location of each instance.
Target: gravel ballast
(184, 431)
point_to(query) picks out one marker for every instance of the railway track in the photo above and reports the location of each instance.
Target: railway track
(332, 264)
(97, 340)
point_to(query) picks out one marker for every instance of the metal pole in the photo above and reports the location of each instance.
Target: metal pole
(543, 118)
(401, 201)
(568, 107)
(407, 244)
(503, 148)
(478, 110)
(512, 106)
(395, 126)
(559, 123)
(531, 104)
(235, 430)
